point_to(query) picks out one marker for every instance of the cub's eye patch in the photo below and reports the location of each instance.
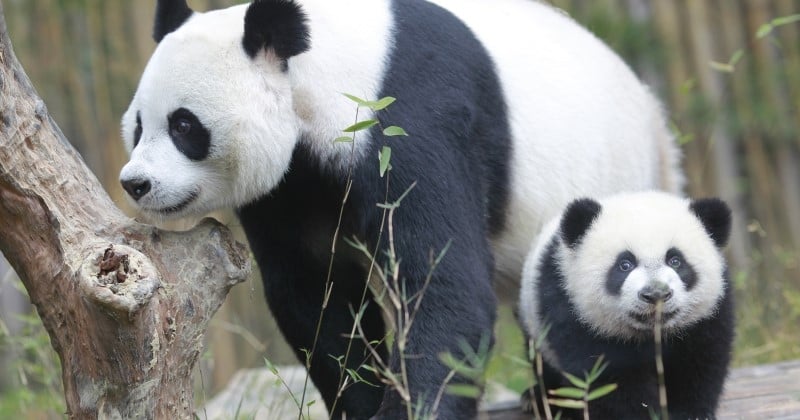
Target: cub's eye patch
(188, 134)
(619, 271)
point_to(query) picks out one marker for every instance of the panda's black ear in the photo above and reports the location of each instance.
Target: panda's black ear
(170, 15)
(577, 219)
(277, 24)
(716, 218)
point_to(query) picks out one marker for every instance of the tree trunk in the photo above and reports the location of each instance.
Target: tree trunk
(126, 305)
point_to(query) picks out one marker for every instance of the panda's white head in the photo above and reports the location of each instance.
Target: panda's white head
(211, 124)
(622, 254)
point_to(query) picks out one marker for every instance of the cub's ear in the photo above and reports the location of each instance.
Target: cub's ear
(716, 218)
(170, 15)
(280, 25)
(577, 219)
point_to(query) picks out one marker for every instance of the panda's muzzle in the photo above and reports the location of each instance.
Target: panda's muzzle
(655, 292)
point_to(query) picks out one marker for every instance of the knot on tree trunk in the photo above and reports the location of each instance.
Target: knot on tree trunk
(119, 278)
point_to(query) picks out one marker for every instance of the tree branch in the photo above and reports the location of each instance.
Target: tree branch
(126, 305)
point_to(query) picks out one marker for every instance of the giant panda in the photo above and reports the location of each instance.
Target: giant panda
(511, 109)
(590, 287)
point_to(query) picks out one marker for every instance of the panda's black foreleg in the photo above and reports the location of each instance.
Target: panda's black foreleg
(457, 310)
(295, 296)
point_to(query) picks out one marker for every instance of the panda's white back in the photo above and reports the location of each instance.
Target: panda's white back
(581, 121)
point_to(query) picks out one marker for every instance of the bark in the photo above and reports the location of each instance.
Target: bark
(126, 304)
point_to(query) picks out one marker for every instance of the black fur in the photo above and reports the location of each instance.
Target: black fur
(170, 15)
(457, 153)
(188, 134)
(695, 360)
(716, 218)
(278, 24)
(577, 219)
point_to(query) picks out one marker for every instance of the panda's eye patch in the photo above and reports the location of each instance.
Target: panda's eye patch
(619, 271)
(137, 132)
(625, 265)
(182, 126)
(188, 134)
(674, 262)
(677, 261)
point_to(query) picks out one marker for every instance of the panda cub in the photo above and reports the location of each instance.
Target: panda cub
(594, 276)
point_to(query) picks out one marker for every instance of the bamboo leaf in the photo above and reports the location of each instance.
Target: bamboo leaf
(574, 393)
(577, 404)
(785, 20)
(464, 390)
(576, 381)
(736, 56)
(361, 125)
(343, 139)
(385, 156)
(394, 130)
(764, 30)
(356, 99)
(601, 392)
(381, 103)
(723, 67)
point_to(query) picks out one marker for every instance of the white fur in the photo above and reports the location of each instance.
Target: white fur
(648, 224)
(581, 121)
(254, 112)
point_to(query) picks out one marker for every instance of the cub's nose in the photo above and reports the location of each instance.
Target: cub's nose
(136, 187)
(653, 293)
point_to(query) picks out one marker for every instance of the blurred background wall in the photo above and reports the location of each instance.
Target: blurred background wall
(728, 72)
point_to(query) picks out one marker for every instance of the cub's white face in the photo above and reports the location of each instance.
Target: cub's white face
(641, 248)
(208, 127)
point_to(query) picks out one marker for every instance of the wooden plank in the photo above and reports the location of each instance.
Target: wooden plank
(756, 392)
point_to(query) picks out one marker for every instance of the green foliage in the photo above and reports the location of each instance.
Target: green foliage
(385, 155)
(35, 385)
(768, 27)
(581, 393)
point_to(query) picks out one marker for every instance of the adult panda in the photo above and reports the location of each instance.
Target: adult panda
(511, 107)
(590, 288)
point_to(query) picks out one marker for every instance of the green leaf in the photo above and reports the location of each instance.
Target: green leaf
(381, 103)
(385, 156)
(576, 381)
(464, 390)
(361, 125)
(601, 392)
(764, 30)
(577, 404)
(785, 20)
(574, 393)
(723, 67)
(356, 99)
(343, 139)
(736, 56)
(394, 130)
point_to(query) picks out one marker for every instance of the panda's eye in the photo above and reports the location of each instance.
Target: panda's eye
(625, 265)
(182, 126)
(674, 262)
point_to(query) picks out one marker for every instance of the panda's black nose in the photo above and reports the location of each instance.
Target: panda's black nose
(136, 188)
(652, 294)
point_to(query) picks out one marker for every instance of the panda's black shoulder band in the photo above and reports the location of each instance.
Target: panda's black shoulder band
(277, 24)
(170, 15)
